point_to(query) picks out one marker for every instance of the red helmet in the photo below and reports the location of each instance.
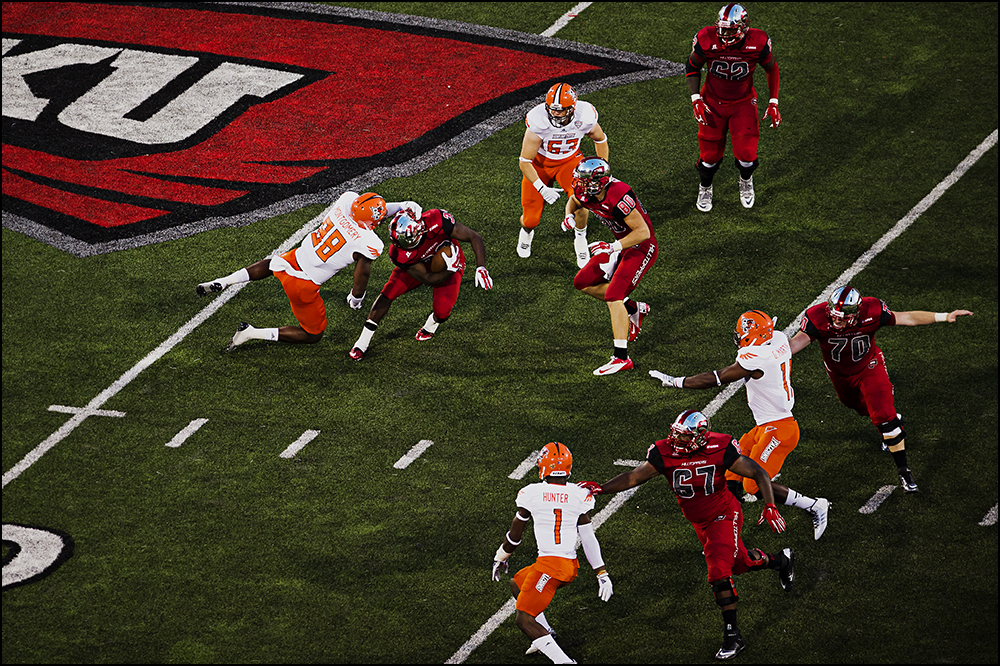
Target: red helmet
(753, 328)
(368, 210)
(555, 460)
(843, 306)
(689, 431)
(732, 24)
(560, 104)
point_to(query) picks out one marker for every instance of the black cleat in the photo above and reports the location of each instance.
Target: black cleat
(786, 571)
(906, 480)
(208, 288)
(731, 646)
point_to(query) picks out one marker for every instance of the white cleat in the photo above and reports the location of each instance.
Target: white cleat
(704, 202)
(746, 192)
(524, 243)
(820, 512)
(241, 336)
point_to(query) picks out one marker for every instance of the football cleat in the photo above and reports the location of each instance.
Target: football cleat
(704, 203)
(524, 243)
(209, 288)
(746, 192)
(731, 646)
(786, 571)
(906, 480)
(357, 353)
(635, 320)
(241, 336)
(423, 335)
(532, 649)
(820, 512)
(613, 366)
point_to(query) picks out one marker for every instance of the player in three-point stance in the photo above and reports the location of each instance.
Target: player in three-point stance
(560, 511)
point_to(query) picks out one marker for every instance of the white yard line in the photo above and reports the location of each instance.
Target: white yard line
(413, 454)
(191, 429)
(296, 446)
(566, 18)
(484, 632)
(876, 500)
(990, 518)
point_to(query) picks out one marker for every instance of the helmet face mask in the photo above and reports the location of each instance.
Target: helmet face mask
(689, 431)
(560, 104)
(732, 24)
(591, 176)
(554, 460)
(842, 307)
(753, 328)
(405, 231)
(368, 210)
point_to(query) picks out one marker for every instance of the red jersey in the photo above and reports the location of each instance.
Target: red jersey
(730, 70)
(698, 479)
(619, 201)
(849, 350)
(440, 223)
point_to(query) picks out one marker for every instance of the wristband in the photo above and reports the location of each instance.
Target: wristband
(605, 139)
(616, 246)
(695, 97)
(718, 382)
(511, 541)
(679, 382)
(501, 554)
(773, 100)
(940, 317)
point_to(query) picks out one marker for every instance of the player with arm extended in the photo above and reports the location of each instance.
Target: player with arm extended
(730, 50)
(615, 269)
(694, 460)
(763, 361)
(346, 235)
(560, 511)
(550, 150)
(845, 326)
(416, 238)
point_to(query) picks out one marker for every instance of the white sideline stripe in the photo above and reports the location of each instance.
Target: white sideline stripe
(566, 18)
(480, 636)
(155, 355)
(990, 518)
(63, 409)
(413, 454)
(876, 500)
(191, 429)
(628, 463)
(524, 467)
(296, 446)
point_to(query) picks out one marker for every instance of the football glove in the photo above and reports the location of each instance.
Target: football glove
(604, 587)
(592, 486)
(500, 563)
(355, 303)
(569, 223)
(549, 194)
(483, 278)
(668, 381)
(453, 263)
(413, 207)
(773, 113)
(701, 110)
(773, 519)
(600, 247)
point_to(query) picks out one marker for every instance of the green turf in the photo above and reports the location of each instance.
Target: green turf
(221, 551)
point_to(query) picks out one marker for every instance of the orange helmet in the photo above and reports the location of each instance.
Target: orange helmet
(561, 99)
(753, 328)
(368, 210)
(555, 460)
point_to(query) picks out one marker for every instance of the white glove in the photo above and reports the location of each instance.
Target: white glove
(452, 263)
(605, 588)
(500, 562)
(668, 381)
(483, 278)
(355, 303)
(600, 247)
(550, 195)
(413, 207)
(569, 223)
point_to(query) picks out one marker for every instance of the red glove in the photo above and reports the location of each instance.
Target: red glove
(701, 110)
(773, 113)
(600, 247)
(592, 486)
(773, 519)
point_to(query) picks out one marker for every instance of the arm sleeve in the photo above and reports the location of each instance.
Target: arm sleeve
(591, 548)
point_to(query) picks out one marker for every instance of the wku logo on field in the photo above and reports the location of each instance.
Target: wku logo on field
(129, 124)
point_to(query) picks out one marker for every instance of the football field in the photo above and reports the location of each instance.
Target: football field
(165, 501)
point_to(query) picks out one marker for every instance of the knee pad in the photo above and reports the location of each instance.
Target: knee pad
(747, 171)
(725, 593)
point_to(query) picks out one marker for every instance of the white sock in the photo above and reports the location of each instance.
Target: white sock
(525, 236)
(799, 500)
(548, 646)
(238, 277)
(581, 232)
(366, 335)
(621, 344)
(580, 243)
(431, 325)
(540, 619)
(269, 334)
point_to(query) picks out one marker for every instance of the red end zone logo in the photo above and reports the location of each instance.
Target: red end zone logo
(125, 125)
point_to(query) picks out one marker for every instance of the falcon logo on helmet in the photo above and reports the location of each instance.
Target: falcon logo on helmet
(843, 306)
(732, 25)
(753, 328)
(405, 231)
(590, 177)
(554, 460)
(689, 431)
(368, 210)
(560, 104)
